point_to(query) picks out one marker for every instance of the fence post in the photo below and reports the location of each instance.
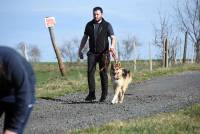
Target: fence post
(163, 61)
(185, 47)
(165, 53)
(134, 49)
(150, 58)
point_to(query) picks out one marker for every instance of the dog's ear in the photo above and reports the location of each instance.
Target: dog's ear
(129, 72)
(125, 73)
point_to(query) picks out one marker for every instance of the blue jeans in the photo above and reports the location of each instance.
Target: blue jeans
(8, 109)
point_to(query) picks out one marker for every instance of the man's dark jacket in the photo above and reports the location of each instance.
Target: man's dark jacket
(101, 43)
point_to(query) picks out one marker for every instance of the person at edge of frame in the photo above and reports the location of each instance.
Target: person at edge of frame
(17, 90)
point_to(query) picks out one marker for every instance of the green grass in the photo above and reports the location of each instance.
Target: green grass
(185, 121)
(146, 75)
(51, 84)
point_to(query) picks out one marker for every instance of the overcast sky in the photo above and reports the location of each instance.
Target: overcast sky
(23, 20)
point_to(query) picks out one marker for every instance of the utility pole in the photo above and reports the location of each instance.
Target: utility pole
(50, 23)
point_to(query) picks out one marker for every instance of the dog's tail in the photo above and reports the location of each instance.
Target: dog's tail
(130, 75)
(127, 75)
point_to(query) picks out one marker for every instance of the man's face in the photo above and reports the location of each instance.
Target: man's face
(97, 15)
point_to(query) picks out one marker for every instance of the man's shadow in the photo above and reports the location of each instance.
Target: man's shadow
(70, 102)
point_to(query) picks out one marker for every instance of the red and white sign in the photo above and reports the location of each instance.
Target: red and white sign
(50, 21)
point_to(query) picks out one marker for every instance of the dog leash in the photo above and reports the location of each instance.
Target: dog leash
(106, 62)
(117, 64)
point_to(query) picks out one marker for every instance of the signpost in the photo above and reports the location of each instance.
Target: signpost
(50, 23)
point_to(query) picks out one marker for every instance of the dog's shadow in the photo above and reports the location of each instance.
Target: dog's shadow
(70, 101)
(129, 94)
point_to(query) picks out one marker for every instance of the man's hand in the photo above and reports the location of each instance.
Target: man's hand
(83, 42)
(80, 54)
(9, 132)
(112, 49)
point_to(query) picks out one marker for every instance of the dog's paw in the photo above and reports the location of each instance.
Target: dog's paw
(113, 102)
(120, 102)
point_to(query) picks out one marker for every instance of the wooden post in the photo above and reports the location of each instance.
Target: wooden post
(192, 54)
(134, 49)
(185, 47)
(163, 64)
(175, 50)
(150, 58)
(25, 53)
(180, 61)
(50, 22)
(165, 53)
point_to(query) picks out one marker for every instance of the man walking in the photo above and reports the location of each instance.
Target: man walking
(98, 30)
(17, 90)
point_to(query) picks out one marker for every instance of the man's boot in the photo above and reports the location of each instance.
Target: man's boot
(103, 97)
(91, 96)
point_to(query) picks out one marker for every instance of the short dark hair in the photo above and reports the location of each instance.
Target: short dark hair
(97, 8)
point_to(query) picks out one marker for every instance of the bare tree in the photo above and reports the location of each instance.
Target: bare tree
(163, 31)
(128, 47)
(34, 53)
(23, 48)
(189, 20)
(166, 30)
(69, 50)
(173, 51)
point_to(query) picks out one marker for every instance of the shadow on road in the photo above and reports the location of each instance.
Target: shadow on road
(69, 101)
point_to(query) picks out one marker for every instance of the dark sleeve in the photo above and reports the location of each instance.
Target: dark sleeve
(110, 30)
(23, 93)
(86, 32)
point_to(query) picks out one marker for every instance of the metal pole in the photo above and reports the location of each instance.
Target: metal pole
(60, 63)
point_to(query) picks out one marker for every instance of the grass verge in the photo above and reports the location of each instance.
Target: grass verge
(185, 121)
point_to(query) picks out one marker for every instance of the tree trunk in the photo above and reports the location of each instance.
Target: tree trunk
(198, 51)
